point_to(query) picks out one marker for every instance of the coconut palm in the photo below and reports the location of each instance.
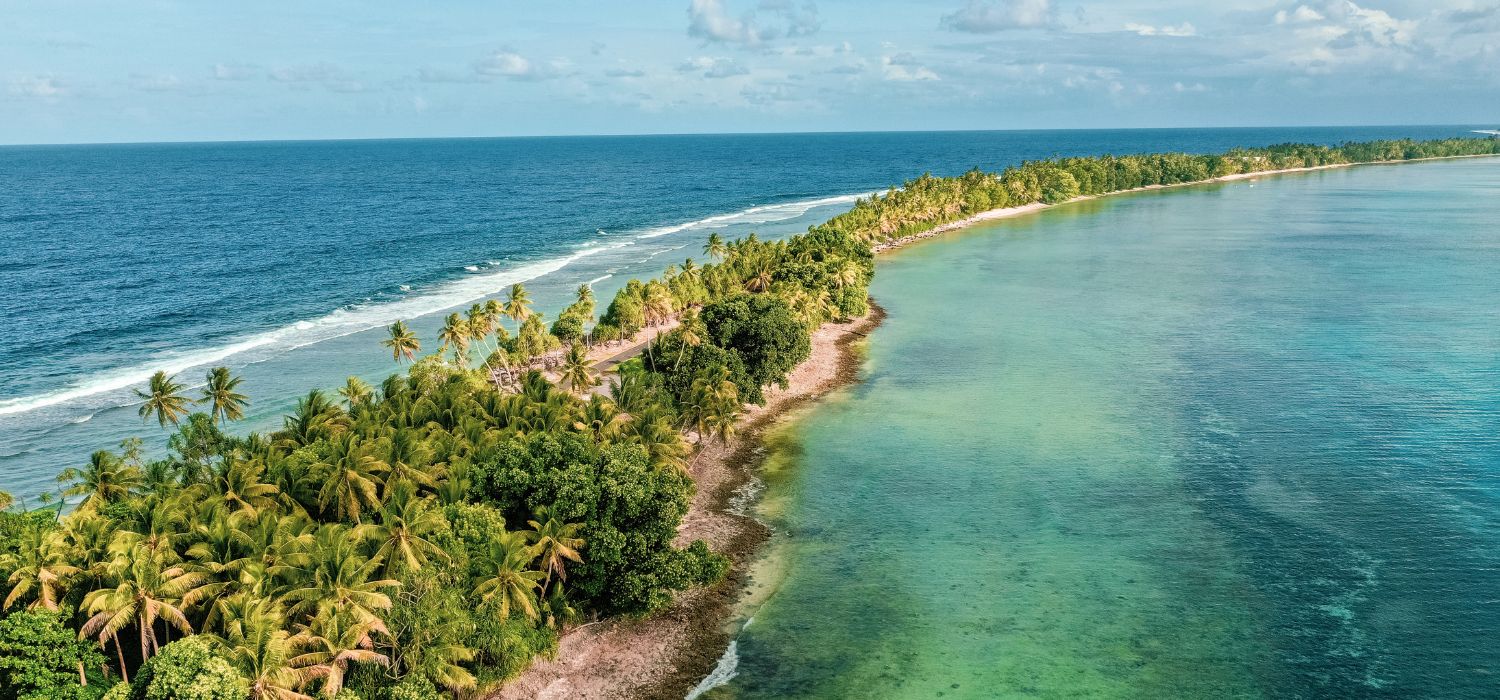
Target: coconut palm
(240, 487)
(351, 478)
(651, 428)
(507, 574)
(404, 535)
(555, 542)
(336, 578)
(147, 591)
(691, 333)
(409, 460)
(601, 418)
(337, 642)
(224, 403)
(760, 278)
(658, 304)
(39, 569)
(315, 418)
(266, 655)
(402, 342)
(715, 247)
(578, 370)
(518, 303)
(105, 480)
(163, 398)
(356, 392)
(455, 334)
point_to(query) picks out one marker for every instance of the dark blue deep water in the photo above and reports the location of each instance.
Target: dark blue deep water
(282, 259)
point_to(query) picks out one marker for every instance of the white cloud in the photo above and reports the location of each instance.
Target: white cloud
(903, 67)
(1184, 29)
(155, 83)
(234, 71)
(327, 75)
(1302, 15)
(507, 64)
(712, 22)
(1185, 87)
(713, 67)
(983, 16)
(43, 86)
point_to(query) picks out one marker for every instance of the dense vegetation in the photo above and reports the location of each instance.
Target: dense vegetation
(427, 536)
(928, 201)
(430, 536)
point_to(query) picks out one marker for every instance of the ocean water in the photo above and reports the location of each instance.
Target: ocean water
(1226, 441)
(283, 260)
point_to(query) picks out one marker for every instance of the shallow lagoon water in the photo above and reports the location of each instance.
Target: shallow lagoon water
(1237, 440)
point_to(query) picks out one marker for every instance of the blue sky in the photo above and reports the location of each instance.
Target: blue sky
(163, 70)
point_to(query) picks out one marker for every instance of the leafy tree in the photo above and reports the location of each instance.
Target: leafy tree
(189, 669)
(764, 333)
(40, 659)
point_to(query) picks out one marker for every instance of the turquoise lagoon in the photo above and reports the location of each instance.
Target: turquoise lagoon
(1237, 440)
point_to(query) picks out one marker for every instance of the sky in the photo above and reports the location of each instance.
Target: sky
(75, 71)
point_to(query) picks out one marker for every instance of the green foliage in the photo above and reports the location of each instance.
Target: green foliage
(120, 691)
(188, 669)
(413, 688)
(40, 659)
(762, 331)
(928, 201)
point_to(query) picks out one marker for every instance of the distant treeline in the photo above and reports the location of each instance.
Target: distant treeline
(928, 201)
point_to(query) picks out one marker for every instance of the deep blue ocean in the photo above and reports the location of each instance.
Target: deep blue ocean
(282, 260)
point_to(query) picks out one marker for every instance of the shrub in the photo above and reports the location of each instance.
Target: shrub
(40, 658)
(188, 669)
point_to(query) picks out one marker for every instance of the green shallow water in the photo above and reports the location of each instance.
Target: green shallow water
(1223, 441)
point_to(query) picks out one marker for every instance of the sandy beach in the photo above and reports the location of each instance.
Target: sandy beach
(665, 655)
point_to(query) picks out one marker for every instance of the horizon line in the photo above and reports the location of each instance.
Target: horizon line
(355, 139)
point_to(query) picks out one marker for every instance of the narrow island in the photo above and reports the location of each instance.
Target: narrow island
(532, 510)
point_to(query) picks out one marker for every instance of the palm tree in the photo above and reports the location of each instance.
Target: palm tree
(455, 334)
(146, 592)
(715, 247)
(265, 654)
(407, 524)
(355, 392)
(163, 398)
(408, 459)
(225, 404)
(578, 370)
(555, 542)
(104, 481)
(240, 487)
(691, 333)
(39, 569)
(518, 303)
(336, 642)
(760, 278)
(336, 578)
(351, 479)
(508, 576)
(652, 429)
(846, 274)
(402, 342)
